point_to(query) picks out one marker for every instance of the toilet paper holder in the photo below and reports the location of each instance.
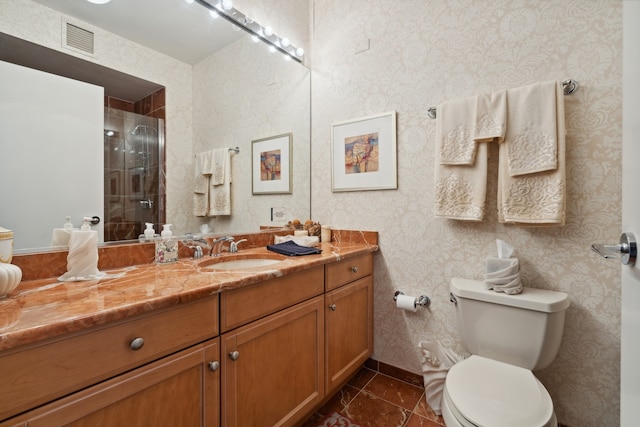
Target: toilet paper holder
(422, 300)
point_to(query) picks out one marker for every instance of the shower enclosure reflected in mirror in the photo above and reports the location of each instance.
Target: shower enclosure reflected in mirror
(133, 173)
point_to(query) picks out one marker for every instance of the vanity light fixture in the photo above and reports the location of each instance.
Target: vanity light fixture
(225, 9)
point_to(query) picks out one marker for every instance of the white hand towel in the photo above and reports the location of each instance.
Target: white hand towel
(220, 189)
(536, 199)
(532, 136)
(460, 191)
(454, 124)
(491, 117)
(202, 177)
(461, 163)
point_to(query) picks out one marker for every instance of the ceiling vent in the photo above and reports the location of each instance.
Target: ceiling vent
(77, 39)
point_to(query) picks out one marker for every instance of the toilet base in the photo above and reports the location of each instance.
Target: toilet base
(451, 420)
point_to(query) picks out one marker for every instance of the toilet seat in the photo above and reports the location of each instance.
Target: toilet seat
(488, 393)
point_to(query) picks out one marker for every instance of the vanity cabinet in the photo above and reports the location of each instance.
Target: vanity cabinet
(348, 319)
(177, 390)
(273, 367)
(259, 355)
(45, 372)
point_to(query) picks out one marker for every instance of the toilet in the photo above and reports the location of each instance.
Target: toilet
(508, 336)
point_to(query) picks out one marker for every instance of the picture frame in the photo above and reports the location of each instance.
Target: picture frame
(364, 154)
(272, 164)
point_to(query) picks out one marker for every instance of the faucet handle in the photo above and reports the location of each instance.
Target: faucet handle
(233, 247)
(197, 251)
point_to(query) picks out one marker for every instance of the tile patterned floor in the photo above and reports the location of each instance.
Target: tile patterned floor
(374, 399)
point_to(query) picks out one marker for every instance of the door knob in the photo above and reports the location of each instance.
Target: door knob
(626, 250)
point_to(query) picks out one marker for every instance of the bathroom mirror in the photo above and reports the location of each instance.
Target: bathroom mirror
(255, 85)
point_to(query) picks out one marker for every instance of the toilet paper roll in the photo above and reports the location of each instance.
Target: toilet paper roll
(406, 302)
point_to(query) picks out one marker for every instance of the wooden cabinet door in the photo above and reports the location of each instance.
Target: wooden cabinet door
(273, 368)
(169, 392)
(349, 330)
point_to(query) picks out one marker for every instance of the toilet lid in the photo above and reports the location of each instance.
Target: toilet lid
(489, 393)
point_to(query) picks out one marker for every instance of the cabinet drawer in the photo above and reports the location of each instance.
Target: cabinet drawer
(40, 374)
(243, 305)
(343, 272)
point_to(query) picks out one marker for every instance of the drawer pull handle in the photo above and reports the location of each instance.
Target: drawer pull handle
(214, 366)
(137, 343)
(354, 269)
(234, 355)
(333, 307)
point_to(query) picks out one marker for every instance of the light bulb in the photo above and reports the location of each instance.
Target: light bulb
(300, 52)
(285, 42)
(268, 31)
(227, 4)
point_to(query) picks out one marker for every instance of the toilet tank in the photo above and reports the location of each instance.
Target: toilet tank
(524, 329)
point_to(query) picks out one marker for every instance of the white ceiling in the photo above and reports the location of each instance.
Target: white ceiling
(183, 31)
(178, 29)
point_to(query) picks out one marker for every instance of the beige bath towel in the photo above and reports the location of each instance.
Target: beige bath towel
(534, 198)
(220, 189)
(460, 191)
(454, 125)
(490, 117)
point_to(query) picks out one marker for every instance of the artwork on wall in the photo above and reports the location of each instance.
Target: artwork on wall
(272, 164)
(363, 154)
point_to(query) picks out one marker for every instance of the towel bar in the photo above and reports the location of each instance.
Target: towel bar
(569, 87)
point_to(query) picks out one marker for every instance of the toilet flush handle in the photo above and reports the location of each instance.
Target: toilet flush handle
(626, 250)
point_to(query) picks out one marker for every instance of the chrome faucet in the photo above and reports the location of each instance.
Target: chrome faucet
(216, 249)
(233, 246)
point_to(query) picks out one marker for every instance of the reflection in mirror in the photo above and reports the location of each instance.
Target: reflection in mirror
(248, 101)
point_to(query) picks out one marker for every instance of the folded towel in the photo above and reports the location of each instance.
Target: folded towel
(490, 117)
(220, 189)
(454, 124)
(460, 191)
(537, 198)
(201, 179)
(533, 135)
(291, 248)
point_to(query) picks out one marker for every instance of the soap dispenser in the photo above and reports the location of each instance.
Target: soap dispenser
(149, 232)
(167, 246)
(166, 231)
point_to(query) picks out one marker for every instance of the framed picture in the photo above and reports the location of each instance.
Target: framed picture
(271, 164)
(363, 154)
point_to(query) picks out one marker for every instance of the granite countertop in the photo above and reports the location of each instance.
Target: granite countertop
(46, 308)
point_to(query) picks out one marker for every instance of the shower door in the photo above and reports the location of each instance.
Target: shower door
(133, 171)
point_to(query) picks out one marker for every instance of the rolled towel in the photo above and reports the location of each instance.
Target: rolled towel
(503, 275)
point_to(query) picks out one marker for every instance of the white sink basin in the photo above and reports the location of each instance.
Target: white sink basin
(240, 263)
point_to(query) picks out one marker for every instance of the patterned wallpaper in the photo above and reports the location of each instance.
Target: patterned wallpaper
(423, 52)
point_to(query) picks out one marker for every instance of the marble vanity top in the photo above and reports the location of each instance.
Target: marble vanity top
(45, 308)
